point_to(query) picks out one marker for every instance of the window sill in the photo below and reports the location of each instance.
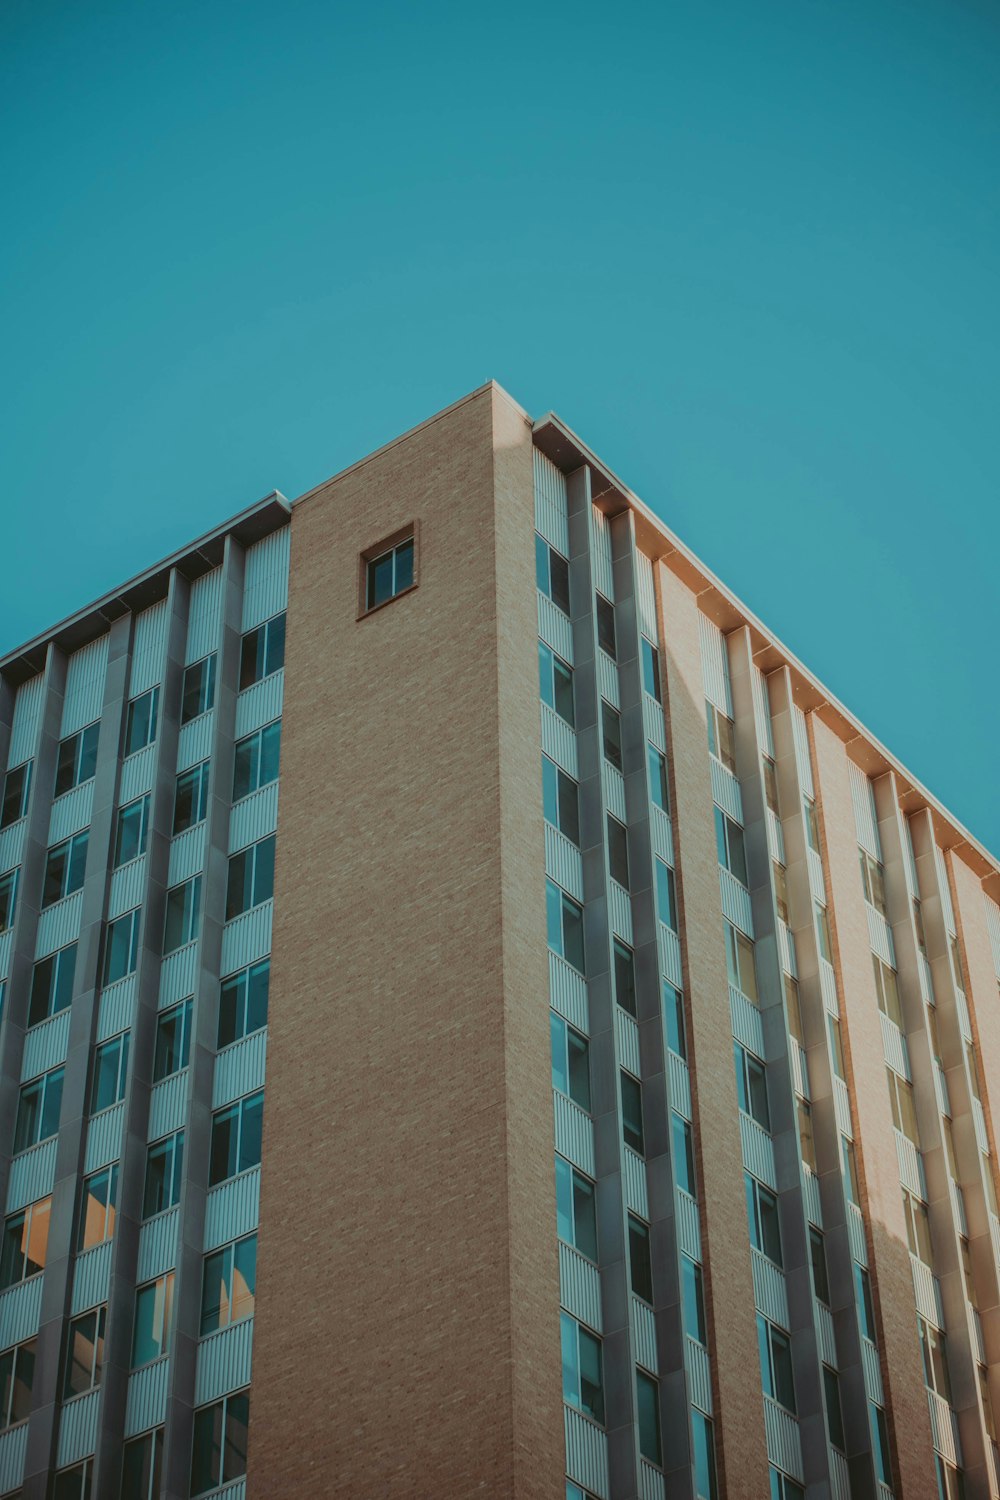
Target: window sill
(374, 608)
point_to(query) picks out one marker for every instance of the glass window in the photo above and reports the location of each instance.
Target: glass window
(740, 964)
(683, 1150)
(583, 1374)
(730, 846)
(74, 1483)
(84, 1353)
(904, 1110)
(198, 689)
(570, 1061)
(872, 881)
(251, 878)
(25, 1243)
(823, 933)
(8, 899)
(65, 867)
(164, 1163)
(866, 1307)
(651, 670)
(256, 760)
(611, 730)
(191, 798)
(220, 1442)
(751, 1086)
(834, 1414)
(918, 1229)
(673, 1019)
(817, 1254)
(639, 1259)
(262, 651)
(933, 1349)
(132, 831)
(771, 784)
(565, 926)
(17, 1377)
(780, 890)
(556, 683)
(121, 946)
(776, 1363)
(793, 1009)
(666, 895)
(38, 1106)
(110, 1072)
(762, 1216)
(140, 722)
(180, 925)
(76, 761)
(631, 1092)
(625, 977)
(97, 1208)
(173, 1041)
(812, 823)
(576, 1216)
(703, 1435)
(561, 800)
(243, 1001)
(880, 1443)
(618, 851)
(236, 1138)
(16, 789)
(52, 984)
(721, 736)
(850, 1166)
(229, 1284)
(647, 1396)
(807, 1145)
(693, 1300)
(552, 573)
(606, 627)
(886, 991)
(142, 1464)
(659, 787)
(154, 1305)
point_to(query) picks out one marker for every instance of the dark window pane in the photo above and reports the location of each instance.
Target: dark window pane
(559, 574)
(625, 978)
(606, 627)
(834, 1415)
(66, 765)
(404, 566)
(206, 1460)
(562, 677)
(222, 1155)
(658, 786)
(651, 669)
(618, 851)
(578, 1050)
(237, 1424)
(640, 1262)
(251, 658)
(631, 1093)
(173, 1037)
(673, 1019)
(263, 880)
(683, 1155)
(572, 925)
(648, 1402)
(584, 1216)
(821, 1280)
(569, 807)
(15, 794)
(693, 1295)
(612, 733)
(251, 1132)
(380, 580)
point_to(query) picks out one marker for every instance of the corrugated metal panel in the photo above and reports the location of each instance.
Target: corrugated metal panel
(149, 649)
(71, 812)
(19, 1312)
(559, 741)
(761, 710)
(927, 1293)
(644, 1335)
(84, 695)
(840, 1478)
(786, 949)
(979, 1120)
(799, 1068)
(620, 907)
(579, 1286)
(894, 1047)
(614, 791)
(265, 584)
(45, 1045)
(993, 927)
(58, 925)
(842, 1107)
(12, 1448)
(607, 679)
(909, 861)
(856, 1234)
(784, 1444)
(574, 1133)
(554, 628)
(563, 862)
(962, 1009)
(12, 845)
(586, 1452)
(775, 837)
(942, 874)
(157, 1245)
(601, 555)
(944, 1429)
(116, 1008)
(911, 1168)
(758, 1151)
(568, 992)
(26, 721)
(254, 817)
(78, 1428)
(688, 1226)
(627, 1034)
(803, 760)
(258, 705)
(735, 901)
(178, 973)
(699, 1375)
(194, 742)
(204, 617)
(224, 1361)
(825, 1336)
(680, 1085)
(551, 506)
(167, 1105)
(652, 1485)
(235, 1491)
(661, 833)
(828, 987)
(865, 819)
(714, 665)
(104, 1138)
(147, 1397)
(652, 722)
(669, 947)
(634, 1183)
(748, 1026)
(817, 882)
(187, 855)
(239, 1069)
(32, 1174)
(247, 938)
(128, 884)
(232, 1209)
(726, 789)
(137, 774)
(91, 1277)
(811, 1197)
(645, 597)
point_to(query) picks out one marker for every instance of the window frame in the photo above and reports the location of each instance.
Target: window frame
(139, 722)
(111, 929)
(229, 1254)
(196, 781)
(79, 763)
(67, 860)
(237, 1109)
(573, 1189)
(252, 746)
(166, 1147)
(58, 989)
(544, 554)
(249, 880)
(99, 1316)
(142, 804)
(161, 1322)
(205, 690)
(563, 1038)
(33, 1237)
(182, 1010)
(203, 1419)
(53, 1079)
(118, 1044)
(181, 915)
(572, 1335)
(16, 796)
(9, 882)
(261, 634)
(109, 1207)
(20, 1354)
(393, 543)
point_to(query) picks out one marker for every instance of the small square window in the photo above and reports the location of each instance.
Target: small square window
(388, 570)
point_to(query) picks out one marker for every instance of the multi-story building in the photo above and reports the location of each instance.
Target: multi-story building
(631, 1023)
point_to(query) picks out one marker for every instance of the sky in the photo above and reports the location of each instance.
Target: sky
(747, 251)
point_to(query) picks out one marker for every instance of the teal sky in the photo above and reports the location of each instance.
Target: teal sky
(748, 251)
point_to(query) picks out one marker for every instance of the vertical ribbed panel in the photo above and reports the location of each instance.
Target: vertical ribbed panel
(258, 705)
(194, 743)
(865, 818)
(116, 1008)
(784, 1445)
(19, 1311)
(26, 721)
(586, 1453)
(761, 711)
(157, 1246)
(45, 1045)
(758, 1151)
(645, 597)
(232, 1209)
(12, 1446)
(204, 616)
(178, 974)
(12, 845)
(725, 789)
(699, 1375)
(84, 696)
(265, 589)
(688, 1225)
(167, 1105)
(224, 1362)
(604, 575)
(31, 1175)
(568, 992)
(149, 648)
(247, 938)
(91, 1277)
(104, 1138)
(909, 861)
(644, 1335)
(137, 774)
(574, 1133)
(736, 906)
(71, 812)
(127, 885)
(802, 758)
(554, 628)
(147, 1397)
(652, 1484)
(993, 927)
(769, 1289)
(949, 910)
(579, 1286)
(634, 1183)
(253, 817)
(680, 1085)
(59, 925)
(714, 665)
(187, 855)
(239, 1069)
(551, 508)
(78, 1428)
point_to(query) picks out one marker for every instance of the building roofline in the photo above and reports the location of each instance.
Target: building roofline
(148, 587)
(568, 451)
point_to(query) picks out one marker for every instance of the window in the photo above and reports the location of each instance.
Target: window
(552, 573)
(739, 962)
(611, 731)
(251, 878)
(793, 1009)
(97, 1208)
(721, 736)
(140, 722)
(262, 651)
(956, 961)
(836, 1047)
(673, 1019)
(556, 683)
(834, 1413)
(236, 1134)
(776, 1363)
(666, 895)
(256, 761)
(17, 1376)
(850, 1165)
(780, 890)
(142, 1463)
(191, 798)
(16, 789)
(243, 1002)
(229, 1284)
(693, 1300)
(570, 1062)
(729, 842)
(389, 574)
(866, 1307)
(121, 946)
(574, 1492)
(25, 1243)
(918, 1229)
(180, 924)
(950, 1482)
(198, 689)
(618, 851)
(703, 1434)
(887, 991)
(659, 787)
(173, 1041)
(817, 1255)
(110, 1071)
(52, 984)
(624, 977)
(771, 784)
(38, 1109)
(880, 1443)
(647, 1398)
(918, 923)
(933, 1349)
(132, 831)
(576, 1216)
(8, 899)
(823, 933)
(904, 1111)
(631, 1092)
(162, 1188)
(565, 926)
(640, 1263)
(812, 823)
(751, 1086)
(651, 670)
(762, 1216)
(154, 1306)
(74, 1483)
(683, 1151)
(561, 800)
(986, 1401)
(84, 1353)
(77, 759)
(582, 1364)
(606, 627)
(807, 1144)
(783, 1488)
(873, 881)
(220, 1442)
